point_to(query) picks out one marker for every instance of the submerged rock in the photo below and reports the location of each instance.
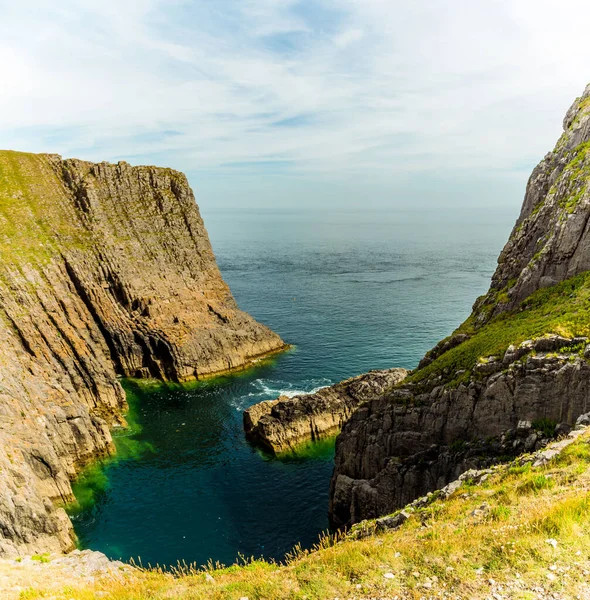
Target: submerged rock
(283, 424)
(105, 271)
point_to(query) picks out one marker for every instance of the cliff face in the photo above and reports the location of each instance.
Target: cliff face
(105, 270)
(521, 357)
(405, 444)
(551, 239)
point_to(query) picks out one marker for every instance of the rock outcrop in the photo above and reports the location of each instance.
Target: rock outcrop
(105, 271)
(284, 424)
(410, 440)
(405, 444)
(551, 239)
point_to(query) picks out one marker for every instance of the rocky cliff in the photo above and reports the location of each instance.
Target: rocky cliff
(105, 271)
(522, 356)
(551, 239)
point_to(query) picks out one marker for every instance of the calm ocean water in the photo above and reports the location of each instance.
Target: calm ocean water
(352, 292)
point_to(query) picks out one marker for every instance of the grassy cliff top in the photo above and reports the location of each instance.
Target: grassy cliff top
(32, 212)
(563, 309)
(521, 533)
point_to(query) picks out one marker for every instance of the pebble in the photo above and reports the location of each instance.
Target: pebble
(388, 575)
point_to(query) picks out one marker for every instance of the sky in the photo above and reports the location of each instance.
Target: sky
(284, 104)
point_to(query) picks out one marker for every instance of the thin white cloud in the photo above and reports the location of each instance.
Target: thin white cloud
(328, 87)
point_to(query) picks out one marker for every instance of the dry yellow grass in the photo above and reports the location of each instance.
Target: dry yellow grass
(524, 533)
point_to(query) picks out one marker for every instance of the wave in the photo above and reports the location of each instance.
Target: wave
(269, 389)
(386, 281)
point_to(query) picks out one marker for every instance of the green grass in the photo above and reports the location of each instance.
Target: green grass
(42, 558)
(33, 213)
(563, 309)
(516, 529)
(546, 426)
(533, 483)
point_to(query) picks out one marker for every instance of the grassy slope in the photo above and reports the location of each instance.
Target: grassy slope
(32, 210)
(563, 309)
(506, 548)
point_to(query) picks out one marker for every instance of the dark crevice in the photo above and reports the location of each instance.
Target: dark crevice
(221, 317)
(83, 295)
(51, 473)
(23, 340)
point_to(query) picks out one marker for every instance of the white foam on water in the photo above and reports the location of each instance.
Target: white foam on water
(268, 389)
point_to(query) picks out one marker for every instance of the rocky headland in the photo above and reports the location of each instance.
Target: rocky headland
(516, 373)
(105, 271)
(285, 424)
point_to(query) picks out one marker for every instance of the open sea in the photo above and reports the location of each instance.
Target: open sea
(352, 291)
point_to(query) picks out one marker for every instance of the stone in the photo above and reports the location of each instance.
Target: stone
(562, 429)
(393, 522)
(451, 488)
(283, 424)
(110, 273)
(549, 242)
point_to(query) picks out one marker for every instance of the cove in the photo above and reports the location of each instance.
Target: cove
(352, 292)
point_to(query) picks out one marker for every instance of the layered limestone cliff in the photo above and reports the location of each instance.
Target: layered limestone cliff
(284, 424)
(105, 271)
(551, 239)
(522, 356)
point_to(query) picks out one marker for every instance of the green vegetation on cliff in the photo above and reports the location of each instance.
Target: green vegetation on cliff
(29, 192)
(563, 309)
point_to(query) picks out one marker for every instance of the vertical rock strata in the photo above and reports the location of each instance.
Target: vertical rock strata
(551, 239)
(105, 270)
(411, 439)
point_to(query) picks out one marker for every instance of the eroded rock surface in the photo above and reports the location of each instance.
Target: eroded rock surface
(405, 444)
(283, 424)
(105, 270)
(410, 441)
(551, 239)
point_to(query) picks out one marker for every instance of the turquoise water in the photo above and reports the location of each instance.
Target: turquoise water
(352, 292)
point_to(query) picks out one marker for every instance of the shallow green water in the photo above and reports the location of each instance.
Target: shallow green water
(353, 292)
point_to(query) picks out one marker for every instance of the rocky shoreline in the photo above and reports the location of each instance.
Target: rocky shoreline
(106, 271)
(284, 424)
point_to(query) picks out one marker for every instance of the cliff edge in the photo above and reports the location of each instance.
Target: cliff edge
(515, 374)
(105, 271)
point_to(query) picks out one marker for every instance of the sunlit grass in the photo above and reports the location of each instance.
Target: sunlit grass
(524, 528)
(563, 309)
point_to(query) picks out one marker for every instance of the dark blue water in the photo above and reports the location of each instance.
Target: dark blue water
(353, 292)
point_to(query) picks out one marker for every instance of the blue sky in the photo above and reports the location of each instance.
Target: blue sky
(337, 104)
